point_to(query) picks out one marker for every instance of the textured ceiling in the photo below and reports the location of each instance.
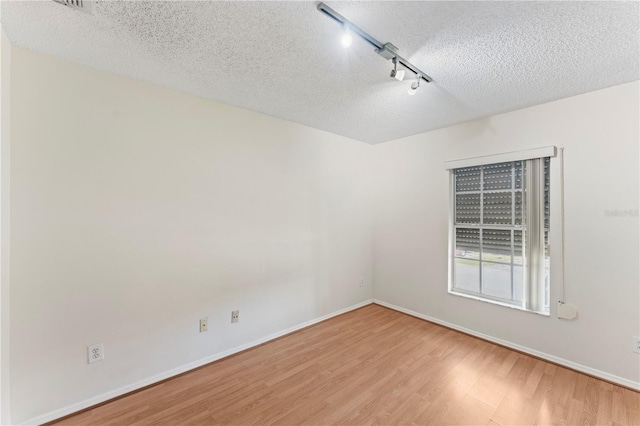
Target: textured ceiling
(284, 58)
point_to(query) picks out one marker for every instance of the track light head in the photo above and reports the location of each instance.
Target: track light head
(347, 39)
(414, 86)
(398, 75)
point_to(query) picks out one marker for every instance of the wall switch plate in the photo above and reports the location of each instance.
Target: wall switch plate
(362, 282)
(95, 353)
(235, 316)
(636, 344)
(204, 324)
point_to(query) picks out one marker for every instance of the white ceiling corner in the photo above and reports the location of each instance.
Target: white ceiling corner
(283, 58)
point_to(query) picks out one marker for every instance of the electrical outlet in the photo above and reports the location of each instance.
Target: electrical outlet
(235, 316)
(636, 344)
(95, 353)
(362, 282)
(204, 324)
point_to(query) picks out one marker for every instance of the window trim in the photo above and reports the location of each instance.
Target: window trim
(529, 154)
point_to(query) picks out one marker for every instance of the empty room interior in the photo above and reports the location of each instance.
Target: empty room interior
(351, 212)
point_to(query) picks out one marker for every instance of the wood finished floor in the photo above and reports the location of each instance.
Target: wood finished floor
(374, 366)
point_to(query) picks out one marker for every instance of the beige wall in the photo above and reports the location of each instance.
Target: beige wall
(5, 92)
(600, 133)
(136, 210)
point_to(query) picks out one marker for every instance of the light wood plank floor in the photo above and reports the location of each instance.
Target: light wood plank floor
(374, 366)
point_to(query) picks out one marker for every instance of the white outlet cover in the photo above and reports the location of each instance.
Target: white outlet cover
(636, 344)
(95, 353)
(204, 324)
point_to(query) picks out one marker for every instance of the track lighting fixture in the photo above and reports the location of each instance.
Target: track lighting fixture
(386, 50)
(398, 75)
(414, 86)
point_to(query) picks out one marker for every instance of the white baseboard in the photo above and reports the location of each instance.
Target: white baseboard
(70, 409)
(556, 360)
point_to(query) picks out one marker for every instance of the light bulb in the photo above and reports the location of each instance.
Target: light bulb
(346, 39)
(414, 88)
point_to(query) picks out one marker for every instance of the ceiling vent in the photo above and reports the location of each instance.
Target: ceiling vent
(83, 5)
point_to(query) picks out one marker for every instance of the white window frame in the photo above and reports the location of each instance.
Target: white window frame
(533, 266)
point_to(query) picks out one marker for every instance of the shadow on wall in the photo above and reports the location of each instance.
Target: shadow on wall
(476, 129)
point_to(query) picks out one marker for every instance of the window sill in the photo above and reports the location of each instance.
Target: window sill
(497, 302)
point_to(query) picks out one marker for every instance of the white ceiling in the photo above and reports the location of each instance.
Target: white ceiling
(284, 58)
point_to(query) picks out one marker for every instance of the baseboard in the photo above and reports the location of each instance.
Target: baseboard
(70, 409)
(556, 360)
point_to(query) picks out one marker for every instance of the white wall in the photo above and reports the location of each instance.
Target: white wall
(5, 90)
(600, 131)
(136, 210)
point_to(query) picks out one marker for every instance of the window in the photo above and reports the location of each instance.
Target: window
(499, 239)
